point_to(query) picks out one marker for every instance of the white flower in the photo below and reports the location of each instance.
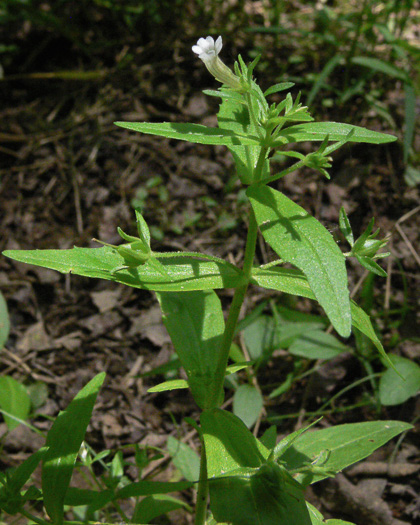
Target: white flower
(208, 50)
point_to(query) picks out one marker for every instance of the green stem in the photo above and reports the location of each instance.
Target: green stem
(216, 396)
(281, 174)
(203, 490)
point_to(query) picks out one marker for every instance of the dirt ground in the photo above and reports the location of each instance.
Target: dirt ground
(68, 175)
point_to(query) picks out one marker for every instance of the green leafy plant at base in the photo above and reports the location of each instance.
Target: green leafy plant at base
(242, 479)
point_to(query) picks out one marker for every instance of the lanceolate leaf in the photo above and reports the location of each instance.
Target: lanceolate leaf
(195, 133)
(335, 130)
(346, 444)
(183, 273)
(195, 323)
(64, 440)
(300, 239)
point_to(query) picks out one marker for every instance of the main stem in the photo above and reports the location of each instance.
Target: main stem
(216, 397)
(217, 394)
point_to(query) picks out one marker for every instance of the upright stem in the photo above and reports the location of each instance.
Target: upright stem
(216, 397)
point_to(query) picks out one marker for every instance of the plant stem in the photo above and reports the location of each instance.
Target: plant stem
(203, 490)
(216, 397)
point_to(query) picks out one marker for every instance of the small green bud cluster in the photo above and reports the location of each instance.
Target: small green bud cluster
(366, 247)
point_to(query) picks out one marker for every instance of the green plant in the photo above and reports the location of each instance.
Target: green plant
(248, 480)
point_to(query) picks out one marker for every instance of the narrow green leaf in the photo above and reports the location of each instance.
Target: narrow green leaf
(300, 239)
(64, 440)
(15, 400)
(173, 384)
(325, 73)
(383, 67)
(196, 325)
(95, 499)
(282, 86)
(23, 472)
(395, 389)
(182, 273)
(247, 404)
(195, 133)
(345, 226)
(314, 131)
(370, 264)
(362, 322)
(347, 444)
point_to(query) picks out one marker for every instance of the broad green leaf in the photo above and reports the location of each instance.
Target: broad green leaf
(335, 131)
(195, 133)
(247, 404)
(173, 384)
(234, 117)
(300, 239)
(264, 496)
(229, 444)
(145, 488)
(196, 325)
(316, 344)
(184, 458)
(394, 389)
(64, 440)
(15, 400)
(4, 322)
(183, 273)
(347, 444)
(157, 505)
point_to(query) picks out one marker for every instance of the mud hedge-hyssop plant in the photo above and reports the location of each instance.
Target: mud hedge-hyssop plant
(243, 480)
